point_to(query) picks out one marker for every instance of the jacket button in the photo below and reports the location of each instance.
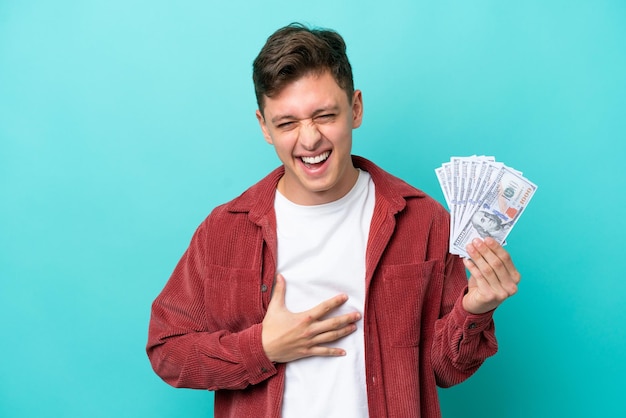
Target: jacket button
(472, 325)
(263, 288)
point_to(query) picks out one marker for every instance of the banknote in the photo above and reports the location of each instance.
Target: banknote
(485, 199)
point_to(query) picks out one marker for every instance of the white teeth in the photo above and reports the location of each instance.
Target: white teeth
(316, 160)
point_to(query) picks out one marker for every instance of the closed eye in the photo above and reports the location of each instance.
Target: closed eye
(286, 125)
(326, 117)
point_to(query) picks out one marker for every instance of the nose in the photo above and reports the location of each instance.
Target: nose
(309, 136)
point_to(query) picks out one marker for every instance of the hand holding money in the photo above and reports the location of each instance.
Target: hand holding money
(485, 198)
(493, 277)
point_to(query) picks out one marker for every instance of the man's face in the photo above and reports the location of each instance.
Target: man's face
(310, 124)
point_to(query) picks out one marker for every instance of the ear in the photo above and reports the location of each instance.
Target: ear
(357, 109)
(264, 129)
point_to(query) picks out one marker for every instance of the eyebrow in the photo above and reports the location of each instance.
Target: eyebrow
(317, 112)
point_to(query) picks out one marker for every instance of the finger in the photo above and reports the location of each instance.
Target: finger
(320, 342)
(333, 335)
(490, 287)
(322, 351)
(478, 253)
(278, 293)
(482, 297)
(485, 287)
(327, 306)
(343, 323)
(491, 268)
(505, 258)
(500, 263)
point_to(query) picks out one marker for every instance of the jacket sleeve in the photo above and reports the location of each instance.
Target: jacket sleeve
(184, 350)
(462, 340)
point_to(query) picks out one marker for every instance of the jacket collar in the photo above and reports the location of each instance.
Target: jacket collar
(258, 200)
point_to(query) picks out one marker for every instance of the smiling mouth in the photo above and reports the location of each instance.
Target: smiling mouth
(308, 161)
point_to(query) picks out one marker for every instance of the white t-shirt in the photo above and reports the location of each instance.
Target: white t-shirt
(321, 253)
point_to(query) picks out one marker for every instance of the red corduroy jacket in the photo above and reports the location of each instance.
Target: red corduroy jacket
(205, 328)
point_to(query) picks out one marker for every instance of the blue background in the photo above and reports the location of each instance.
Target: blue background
(122, 123)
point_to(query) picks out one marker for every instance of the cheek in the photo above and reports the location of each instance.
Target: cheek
(284, 143)
(338, 135)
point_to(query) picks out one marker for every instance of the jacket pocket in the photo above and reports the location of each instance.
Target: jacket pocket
(232, 298)
(401, 304)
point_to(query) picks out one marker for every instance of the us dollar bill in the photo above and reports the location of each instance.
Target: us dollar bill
(496, 212)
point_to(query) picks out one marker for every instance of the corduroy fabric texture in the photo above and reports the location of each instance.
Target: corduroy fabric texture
(205, 328)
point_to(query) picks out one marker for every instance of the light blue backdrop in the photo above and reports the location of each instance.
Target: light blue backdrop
(122, 123)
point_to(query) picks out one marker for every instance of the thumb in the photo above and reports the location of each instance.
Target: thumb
(278, 292)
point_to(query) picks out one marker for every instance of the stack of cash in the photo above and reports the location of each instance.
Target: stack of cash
(485, 198)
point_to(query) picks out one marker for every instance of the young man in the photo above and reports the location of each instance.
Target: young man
(326, 289)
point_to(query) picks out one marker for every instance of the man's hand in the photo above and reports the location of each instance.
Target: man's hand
(493, 276)
(288, 336)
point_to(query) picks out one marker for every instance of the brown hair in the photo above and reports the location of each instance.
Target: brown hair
(295, 51)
